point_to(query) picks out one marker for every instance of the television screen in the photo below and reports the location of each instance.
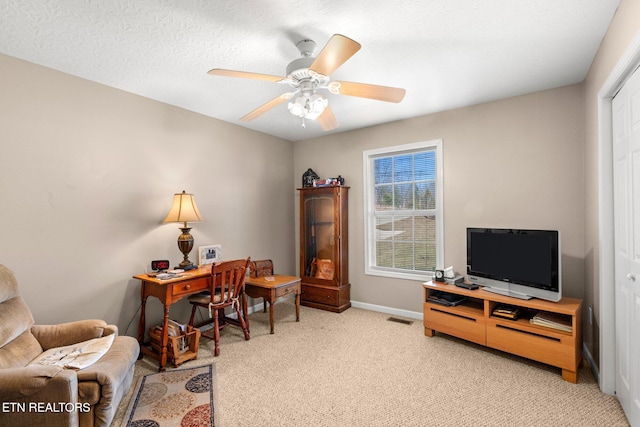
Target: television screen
(522, 263)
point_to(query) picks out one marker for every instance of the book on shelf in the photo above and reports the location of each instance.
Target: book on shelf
(507, 311)
(552, 320)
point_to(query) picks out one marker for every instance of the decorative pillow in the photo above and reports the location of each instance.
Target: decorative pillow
(325, 269)
(76, 356)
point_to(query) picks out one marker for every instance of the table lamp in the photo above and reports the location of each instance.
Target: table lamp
(184, 210)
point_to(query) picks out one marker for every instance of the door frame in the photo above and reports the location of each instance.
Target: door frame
(625, 66)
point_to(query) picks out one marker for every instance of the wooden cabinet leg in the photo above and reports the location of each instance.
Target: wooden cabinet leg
(570, 376)
(428, 332)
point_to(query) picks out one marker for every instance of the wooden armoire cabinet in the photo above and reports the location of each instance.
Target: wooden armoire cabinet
(324, 243)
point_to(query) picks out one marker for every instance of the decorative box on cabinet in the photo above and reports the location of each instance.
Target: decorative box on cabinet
(473, 320)
(324, 240)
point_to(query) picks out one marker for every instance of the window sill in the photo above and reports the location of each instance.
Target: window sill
(399, 275)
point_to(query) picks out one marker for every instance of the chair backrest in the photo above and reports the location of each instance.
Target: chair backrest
(261, 268)
(227, 279)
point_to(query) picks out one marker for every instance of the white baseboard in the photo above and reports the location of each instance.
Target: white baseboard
(591, 362)
(357, 304)
(388, 310)
(364, 306)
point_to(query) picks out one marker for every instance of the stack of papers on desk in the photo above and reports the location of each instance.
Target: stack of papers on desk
(167, 276)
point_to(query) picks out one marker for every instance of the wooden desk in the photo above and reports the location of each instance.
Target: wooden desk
(168, 292)
(271, 290)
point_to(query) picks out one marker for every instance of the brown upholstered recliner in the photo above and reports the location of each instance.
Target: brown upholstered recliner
(49, 395)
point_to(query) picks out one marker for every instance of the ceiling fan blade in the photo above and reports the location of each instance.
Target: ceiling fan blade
(244, 75)
(363, 90)
(327, 119)
(266, 107)
(335, 53)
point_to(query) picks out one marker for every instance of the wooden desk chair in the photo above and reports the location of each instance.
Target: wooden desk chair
(261, 268)
(227, 290)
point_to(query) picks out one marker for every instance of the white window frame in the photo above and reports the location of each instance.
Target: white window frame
(368, 158)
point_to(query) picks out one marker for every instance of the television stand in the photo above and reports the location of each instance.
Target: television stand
(507, 293)
(472, 319)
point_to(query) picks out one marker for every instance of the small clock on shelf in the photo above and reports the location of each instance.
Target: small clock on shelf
(439, 276)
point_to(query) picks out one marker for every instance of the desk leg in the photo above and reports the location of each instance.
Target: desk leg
(165, 339)
(272, 299)
(298, 307)
(142, 321)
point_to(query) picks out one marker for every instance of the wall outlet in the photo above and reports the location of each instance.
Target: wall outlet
(590, 315)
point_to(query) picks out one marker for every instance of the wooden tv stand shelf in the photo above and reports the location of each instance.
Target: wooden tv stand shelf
(472, 320)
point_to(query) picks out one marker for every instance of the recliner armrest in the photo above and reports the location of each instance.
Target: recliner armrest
(50, 336)
(39, 395)
(20, 382)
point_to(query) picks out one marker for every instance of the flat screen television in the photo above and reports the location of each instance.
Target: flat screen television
(519, 263)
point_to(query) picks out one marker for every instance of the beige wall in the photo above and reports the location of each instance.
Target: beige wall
(87, 175)
(511, 163)
(624, 27)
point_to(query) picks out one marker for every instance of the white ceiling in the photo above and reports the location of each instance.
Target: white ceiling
(446, 54)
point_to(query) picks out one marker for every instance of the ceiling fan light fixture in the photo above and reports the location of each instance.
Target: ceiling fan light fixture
(308, 107)
(317, 104)
(296, 107)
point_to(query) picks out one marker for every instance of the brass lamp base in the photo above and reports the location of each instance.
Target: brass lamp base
(185, 244)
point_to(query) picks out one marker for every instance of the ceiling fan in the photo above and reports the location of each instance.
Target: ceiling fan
(307, 75)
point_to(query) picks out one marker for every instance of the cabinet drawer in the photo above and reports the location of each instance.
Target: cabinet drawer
(190, 287)
(552, 349)
(456, 323)
(320, 295)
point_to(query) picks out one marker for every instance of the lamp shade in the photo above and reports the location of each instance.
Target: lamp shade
(183, 209)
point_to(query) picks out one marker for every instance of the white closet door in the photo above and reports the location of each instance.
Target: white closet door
(626, 194)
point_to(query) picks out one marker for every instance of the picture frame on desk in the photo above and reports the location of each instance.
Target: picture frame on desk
(209, 254)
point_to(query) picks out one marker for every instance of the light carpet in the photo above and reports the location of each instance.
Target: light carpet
(179, 397)
(357, 368)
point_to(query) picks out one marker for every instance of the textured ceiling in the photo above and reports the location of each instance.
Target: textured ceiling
(446, 54)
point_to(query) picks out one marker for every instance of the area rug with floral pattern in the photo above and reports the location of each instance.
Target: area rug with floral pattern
(178, 397)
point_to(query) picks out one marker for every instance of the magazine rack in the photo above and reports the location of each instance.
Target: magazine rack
(179, 348)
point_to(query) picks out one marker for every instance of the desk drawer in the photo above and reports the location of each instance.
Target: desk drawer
(286, 290)
(190, 287)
